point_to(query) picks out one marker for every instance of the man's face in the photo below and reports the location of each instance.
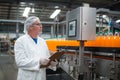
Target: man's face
(36, 27)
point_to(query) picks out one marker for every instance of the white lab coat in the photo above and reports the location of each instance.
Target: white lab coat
(27, 57)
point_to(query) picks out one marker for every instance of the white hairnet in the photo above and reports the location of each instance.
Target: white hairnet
(29, 21)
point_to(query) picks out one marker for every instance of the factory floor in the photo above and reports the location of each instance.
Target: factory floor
(59, 74)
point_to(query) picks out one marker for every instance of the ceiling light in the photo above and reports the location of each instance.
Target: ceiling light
(56, 7)
(55, 13)
(118, 21)
(26, 11)
(104, 16)
(33, 10)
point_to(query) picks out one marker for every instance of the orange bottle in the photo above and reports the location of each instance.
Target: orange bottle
(108, 41)
(97, 42)
(102, 41)
(116, 41)
(111, 41)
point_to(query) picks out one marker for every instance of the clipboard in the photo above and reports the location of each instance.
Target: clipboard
(56, 55)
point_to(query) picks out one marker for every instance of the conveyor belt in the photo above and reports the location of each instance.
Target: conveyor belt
(93, 49)
(107, 53)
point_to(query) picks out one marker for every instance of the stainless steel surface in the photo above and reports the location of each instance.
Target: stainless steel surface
(97, 68)
(108, 69)
(81, 24)
(88, 24)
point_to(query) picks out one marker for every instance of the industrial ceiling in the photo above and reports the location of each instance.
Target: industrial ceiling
(13, 9)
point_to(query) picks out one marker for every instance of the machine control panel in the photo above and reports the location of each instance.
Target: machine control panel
(81, 24)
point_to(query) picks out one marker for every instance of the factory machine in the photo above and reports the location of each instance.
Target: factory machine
(100, 62)
(101, 57)
(80, 25)
(87, 56)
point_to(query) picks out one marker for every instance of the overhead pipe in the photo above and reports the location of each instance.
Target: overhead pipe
(107, 11)
(22, 21)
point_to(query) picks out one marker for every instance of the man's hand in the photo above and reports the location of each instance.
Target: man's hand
(54, 63)
(44, 61)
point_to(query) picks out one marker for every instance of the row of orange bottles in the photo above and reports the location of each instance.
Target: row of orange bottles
(53, 43)
(104, 41)
(101, 41)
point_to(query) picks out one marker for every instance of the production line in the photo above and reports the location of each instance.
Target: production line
(101, 58)
(85, 55)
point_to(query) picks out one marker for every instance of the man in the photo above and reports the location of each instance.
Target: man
(31, 52)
